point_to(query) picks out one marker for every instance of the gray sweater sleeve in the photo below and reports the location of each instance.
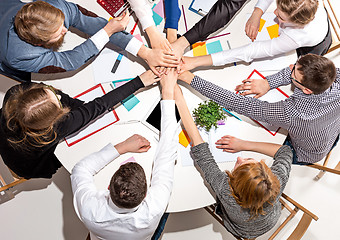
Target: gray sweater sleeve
(281, 167)
(216, 178)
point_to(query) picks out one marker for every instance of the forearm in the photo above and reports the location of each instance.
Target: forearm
(143, 12)
(279, 79)
(266, 148)
(255, 50)
(172, 14)
(263, 4)
(187, 120)
(219, 15)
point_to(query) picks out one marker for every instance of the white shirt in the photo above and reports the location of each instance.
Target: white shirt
(143, 12)
(290, 39)
(99, 213)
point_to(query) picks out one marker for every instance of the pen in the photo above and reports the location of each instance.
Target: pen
(232, 114)
(115, 66)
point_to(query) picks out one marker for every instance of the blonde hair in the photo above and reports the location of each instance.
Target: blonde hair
(300, 12)
(252, 185)
(36, 22)
(31, 115)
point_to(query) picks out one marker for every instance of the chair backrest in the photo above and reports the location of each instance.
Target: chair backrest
(7, 184)
(304, 222)
(293, 207)
(335, 26)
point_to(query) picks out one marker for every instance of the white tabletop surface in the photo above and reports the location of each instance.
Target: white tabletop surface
(190, 191)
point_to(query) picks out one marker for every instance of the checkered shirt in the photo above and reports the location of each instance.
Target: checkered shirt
(312, 121)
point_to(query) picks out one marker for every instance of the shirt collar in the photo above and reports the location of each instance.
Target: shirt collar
(117, 209)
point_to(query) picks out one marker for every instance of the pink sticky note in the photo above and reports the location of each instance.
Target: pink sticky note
(131, 159)
(159, 9)
(139, 37)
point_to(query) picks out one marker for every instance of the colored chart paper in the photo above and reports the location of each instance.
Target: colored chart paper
(184, 139)
(214, 47)
(199, 49)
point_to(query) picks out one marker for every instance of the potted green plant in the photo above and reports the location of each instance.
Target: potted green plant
(207, 114)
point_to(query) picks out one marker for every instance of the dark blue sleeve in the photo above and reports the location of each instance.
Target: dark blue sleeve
(172, 13)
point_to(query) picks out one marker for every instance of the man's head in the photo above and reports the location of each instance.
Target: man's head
(128, 186)
(41, 24)
(313, 74)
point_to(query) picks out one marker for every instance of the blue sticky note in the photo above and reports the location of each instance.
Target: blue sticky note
(156, 18)
(130, 102)
(214, 47)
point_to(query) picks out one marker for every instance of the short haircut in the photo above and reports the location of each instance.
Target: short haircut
(300, 12)
(252, 185)
(128, 185)
(318, 72)
(36, 22)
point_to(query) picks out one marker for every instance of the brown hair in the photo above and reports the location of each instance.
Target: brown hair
(31, 115)
(35, 22)
(252, 185)
(128, 185)
(300, 12)
(318, 73)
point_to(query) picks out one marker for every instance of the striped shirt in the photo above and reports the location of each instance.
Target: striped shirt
(312, 121)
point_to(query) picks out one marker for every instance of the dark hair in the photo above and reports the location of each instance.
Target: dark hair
(252, 185)
(300, 12)
(128, 185)
(31, 115)
(318, 73)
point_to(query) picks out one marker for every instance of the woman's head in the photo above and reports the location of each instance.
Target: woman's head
(253, 184)
(33, 111)
(298, 12)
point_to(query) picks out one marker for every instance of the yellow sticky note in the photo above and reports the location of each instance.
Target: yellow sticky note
(199, 49)
(262, 22)
(184, 138)
(273, 31)
(110, 18)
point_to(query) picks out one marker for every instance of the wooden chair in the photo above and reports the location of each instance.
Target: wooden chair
(323, 169)
(335, 26)
(286, 201)
(6, 185)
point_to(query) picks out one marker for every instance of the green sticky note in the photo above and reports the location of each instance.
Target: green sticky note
(156, 18)
(130, 102)
(214, 47)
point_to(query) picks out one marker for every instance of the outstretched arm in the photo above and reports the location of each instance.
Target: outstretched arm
(232, 144)
(187, 120)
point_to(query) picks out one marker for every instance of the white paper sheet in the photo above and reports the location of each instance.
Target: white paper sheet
(231, 127)
(277, 62)
(103, 64)
(95, 125)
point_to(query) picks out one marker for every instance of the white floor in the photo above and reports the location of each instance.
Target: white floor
(42, 209)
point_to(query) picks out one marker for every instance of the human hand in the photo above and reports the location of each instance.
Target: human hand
(187, 64)
(157, 39)
(148, 78)
(117, 24)
(230, 144)
(186, 77)
(259, 87)
(253, 24)
(168, 83)
(158, 57)
(178, 48)
(136, 144)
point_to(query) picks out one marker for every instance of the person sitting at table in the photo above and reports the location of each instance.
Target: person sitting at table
(129, 209)
(303, 25)
(310, 114)
(248, 196)
(35, 117)
(32, 33)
